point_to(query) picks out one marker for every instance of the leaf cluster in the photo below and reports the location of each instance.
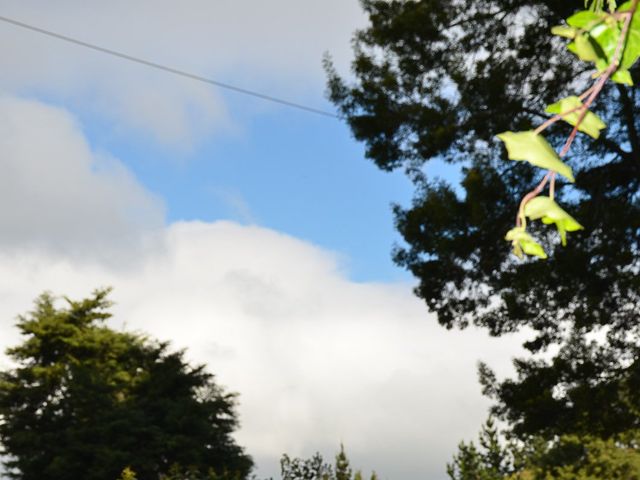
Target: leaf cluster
(612, 42)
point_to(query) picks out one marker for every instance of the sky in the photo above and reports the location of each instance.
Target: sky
(256, 236)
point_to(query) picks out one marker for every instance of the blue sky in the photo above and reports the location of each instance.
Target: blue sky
(270, 165)
(254, 236)
(289, 170)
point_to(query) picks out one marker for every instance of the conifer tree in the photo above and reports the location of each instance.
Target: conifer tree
(84, 401)
(434, 81)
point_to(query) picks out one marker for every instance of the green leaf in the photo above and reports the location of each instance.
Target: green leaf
(626, 6)
(533, 148)
(550, 212)
(523, 242)
(599, 43)
(632, 47)
(622, 76)
(585, 19)
(567, 32)
(606, 36)
(585, 48)
(591, 124)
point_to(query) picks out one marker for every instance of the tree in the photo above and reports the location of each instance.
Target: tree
(568, 457)
(315, 468)
(85, 401)
(435, 80)
(489, 462)
(574, 457)
(343, 470)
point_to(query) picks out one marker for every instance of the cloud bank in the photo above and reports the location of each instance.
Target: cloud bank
(317, 358)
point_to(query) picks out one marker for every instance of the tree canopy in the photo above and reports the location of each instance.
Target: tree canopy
(315, 468)
(569, 457)
(85, 401)
(435, 81)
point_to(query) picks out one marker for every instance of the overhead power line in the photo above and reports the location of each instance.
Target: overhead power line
(166, 68)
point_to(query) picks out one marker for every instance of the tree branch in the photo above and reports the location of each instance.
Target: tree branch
(613, 147)
(629, 116)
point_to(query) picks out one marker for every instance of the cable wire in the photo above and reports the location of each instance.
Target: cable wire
(169, 69)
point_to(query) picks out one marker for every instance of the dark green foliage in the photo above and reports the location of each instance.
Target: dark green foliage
(488, 462)
(582, 390)
(569, 457)
(313, 468)
(85, 401)
(437, 80)
(176, 472)
(343, 470)
(582, 458)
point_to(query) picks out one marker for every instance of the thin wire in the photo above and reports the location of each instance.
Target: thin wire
(168, 69)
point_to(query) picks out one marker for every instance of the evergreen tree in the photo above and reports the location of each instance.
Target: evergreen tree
(582, 458)
(343, 470)
(569, 457)
(85, 401)
(490, 461)
(435, 81)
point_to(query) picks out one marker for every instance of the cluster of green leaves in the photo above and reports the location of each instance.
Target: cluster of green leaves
(84, 401)
(596, 36)
(609, 40)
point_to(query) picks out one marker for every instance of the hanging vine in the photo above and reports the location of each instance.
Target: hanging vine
(610, 40)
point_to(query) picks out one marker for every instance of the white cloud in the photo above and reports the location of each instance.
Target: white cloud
(318, 359)
(56, 193)
(275, 47)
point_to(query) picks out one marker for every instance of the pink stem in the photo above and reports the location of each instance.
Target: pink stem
(529, 196)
